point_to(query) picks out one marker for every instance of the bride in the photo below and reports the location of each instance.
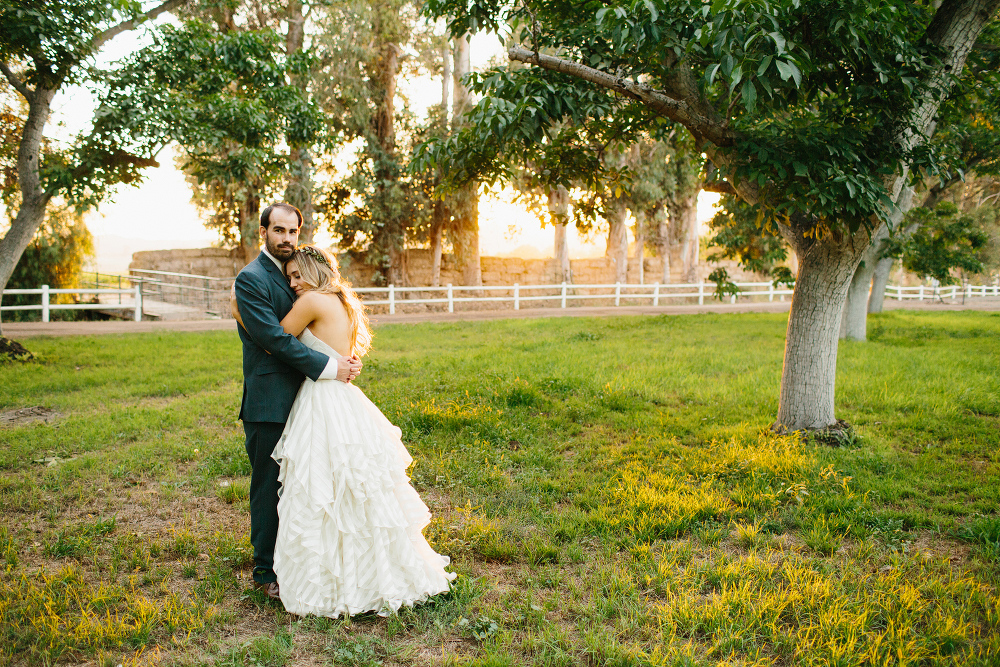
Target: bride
(349, 523)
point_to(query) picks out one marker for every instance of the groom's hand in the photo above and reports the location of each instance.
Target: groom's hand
(348, 368)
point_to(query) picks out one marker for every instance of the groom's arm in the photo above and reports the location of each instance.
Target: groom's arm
(261, 322)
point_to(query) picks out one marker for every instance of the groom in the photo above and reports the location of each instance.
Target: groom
(274, 365)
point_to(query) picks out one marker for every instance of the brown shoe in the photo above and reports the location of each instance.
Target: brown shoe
(271, 590)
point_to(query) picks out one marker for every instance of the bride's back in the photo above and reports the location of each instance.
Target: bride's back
(332, 324)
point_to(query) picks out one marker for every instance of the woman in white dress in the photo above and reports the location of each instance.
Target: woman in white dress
(349, 523)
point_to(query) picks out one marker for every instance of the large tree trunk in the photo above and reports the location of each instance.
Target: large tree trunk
(33, 198)
(466, 215)
(663, 243)
(640, 242)
(618, 239)
(437, 234)
(558, 203)
(879, 282)
(687, 215)
(809, 373)
(854, 323)
(299, 190)
(250, 227)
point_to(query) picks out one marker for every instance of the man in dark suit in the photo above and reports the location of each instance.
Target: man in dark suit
(274, 365)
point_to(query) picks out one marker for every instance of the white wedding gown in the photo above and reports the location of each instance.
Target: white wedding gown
(349, 522)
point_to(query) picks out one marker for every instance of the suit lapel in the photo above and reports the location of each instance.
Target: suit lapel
(276, 274)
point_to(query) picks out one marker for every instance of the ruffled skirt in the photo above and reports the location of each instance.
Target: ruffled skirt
(349, 523)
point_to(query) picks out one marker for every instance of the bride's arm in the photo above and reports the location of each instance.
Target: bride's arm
(303, 313)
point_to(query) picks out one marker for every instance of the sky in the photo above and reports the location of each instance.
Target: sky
(159, 214)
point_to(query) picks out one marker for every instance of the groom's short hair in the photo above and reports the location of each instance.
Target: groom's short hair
(265, 216)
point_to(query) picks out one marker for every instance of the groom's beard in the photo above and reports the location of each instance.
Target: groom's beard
(282, 251)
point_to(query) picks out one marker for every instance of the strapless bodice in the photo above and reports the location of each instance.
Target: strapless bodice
(310, 340)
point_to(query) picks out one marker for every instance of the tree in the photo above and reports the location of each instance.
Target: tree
(943, 240)
(378, 207)
(815, 112)
(226, 100)
(43, 48)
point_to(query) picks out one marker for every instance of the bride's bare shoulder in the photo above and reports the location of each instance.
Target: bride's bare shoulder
(321, 301)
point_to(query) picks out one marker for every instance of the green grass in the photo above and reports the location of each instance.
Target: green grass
(607, 488)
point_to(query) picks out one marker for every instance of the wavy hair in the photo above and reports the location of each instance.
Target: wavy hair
(319, 271)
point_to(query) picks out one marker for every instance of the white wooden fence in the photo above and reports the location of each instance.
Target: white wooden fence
(47, 306)
(560, 295)
(563, 293)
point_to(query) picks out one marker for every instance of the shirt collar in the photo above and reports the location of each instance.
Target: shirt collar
(277, 262)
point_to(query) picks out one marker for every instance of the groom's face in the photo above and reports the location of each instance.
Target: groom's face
(282, 235)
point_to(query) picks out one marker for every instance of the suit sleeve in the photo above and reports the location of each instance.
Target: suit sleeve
(261, 323)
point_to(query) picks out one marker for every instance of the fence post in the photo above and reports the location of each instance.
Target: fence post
(451, 299)
(563, 303)
(45, 303)
(921, 297)
(517, 297)
(138, 301)
(732, 299)
(701, 294)
(119, 287)
(656, 295)
(618, 293)
(392, 299)
(208, 296)
(968, 290)
(770, 291)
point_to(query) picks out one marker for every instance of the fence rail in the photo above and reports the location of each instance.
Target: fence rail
(564, 293)
(47, 306)
(199, 291)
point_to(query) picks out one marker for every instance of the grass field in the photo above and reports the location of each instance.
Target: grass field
(607, 488)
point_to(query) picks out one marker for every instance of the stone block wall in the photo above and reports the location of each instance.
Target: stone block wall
(222, 263)
(212, 262)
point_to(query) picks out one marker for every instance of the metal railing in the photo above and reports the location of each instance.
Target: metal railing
(47, 305)
(202, 292)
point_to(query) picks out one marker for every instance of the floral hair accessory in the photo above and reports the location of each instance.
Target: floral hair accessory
(313, 252)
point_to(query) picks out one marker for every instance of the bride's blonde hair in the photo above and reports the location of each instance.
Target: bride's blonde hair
(319, 271)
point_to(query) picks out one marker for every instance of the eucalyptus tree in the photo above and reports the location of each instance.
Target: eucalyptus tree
(376, 210)
(814, 112)
(44, 47)
(225, 99)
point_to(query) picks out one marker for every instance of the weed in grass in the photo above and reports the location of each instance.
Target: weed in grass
(234, 550)
(184, 544)
(711, 534)
(821, 539)
(8, 550)
(984, 532)
(237, 490)
(260, 652)
(749, 535)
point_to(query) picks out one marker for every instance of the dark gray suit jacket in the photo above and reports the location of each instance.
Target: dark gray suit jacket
(274, 362)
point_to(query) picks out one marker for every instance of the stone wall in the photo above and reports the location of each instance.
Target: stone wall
(212, 262)
(221, 263)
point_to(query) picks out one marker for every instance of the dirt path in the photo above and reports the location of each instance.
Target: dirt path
(19, 330)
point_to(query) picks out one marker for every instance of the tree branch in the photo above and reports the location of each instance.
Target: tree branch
(679, 110)
(19, 85)
(722, 187)
(131, 24)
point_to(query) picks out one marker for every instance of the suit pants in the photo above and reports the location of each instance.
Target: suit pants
(261, 437)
